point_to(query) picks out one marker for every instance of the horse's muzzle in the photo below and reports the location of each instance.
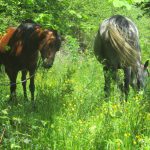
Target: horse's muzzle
(47, 66)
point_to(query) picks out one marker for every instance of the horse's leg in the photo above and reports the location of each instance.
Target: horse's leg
(32, 86)
(107, 78)
(113, 74)
(127, 78)
(117, 79)
(12, 74)
(23, 79)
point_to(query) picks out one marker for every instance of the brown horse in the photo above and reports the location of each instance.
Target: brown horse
(117, 47)
(19, 49)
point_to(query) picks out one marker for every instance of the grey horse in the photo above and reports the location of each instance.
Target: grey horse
(117, 46)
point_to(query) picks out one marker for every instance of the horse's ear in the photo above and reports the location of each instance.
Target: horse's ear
(146, 64)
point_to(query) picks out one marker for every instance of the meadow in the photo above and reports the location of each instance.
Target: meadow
(71, 111)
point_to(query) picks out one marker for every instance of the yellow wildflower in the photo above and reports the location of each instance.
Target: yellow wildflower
(127, 134)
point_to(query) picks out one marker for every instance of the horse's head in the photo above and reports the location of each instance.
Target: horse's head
(142, 75)
(49, 45)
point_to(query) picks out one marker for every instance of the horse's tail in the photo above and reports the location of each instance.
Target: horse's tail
(127, 53)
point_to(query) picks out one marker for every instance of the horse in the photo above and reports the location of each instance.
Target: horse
(19, 51)
(116, 46)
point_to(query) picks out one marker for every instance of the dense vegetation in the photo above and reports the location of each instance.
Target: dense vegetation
(71, 110)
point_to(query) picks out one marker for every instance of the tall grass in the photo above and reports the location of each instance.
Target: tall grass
(72, 113)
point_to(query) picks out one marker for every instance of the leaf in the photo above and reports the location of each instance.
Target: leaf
(27, 141)
(110, 1)
(119, 3)
(73, 12)
(139, 1)
(17, 119)
(4, 117)
(79, 15)
(13, 145)
(5, 111)
(34, 127)
(44, 123)
(30, 2)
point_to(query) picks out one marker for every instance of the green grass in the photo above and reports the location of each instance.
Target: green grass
(71, 111)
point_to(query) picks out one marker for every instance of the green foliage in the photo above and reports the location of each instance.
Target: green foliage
(143, 4)
(77, 19)
(126, 3)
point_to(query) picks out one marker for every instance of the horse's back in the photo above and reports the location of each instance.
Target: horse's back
(103, 47)
(125, 25)
(24, 40)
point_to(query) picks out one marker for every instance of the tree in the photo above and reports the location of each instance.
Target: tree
(143, 4)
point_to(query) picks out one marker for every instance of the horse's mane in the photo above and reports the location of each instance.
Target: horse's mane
(6, 37)
(28, 21)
